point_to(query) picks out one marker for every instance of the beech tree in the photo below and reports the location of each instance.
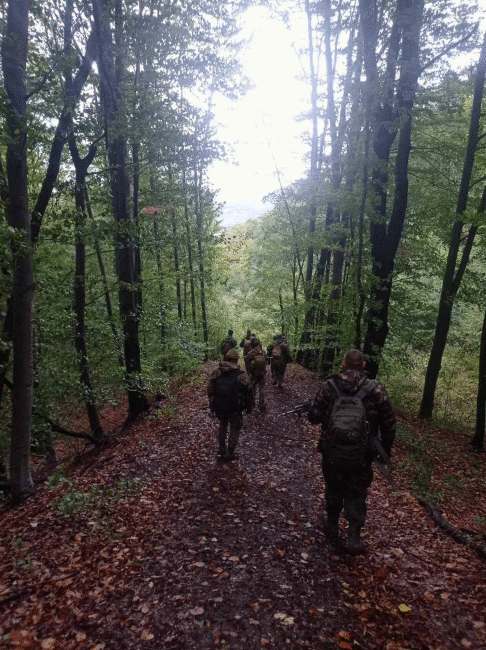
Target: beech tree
(14, 59)
(453, 271)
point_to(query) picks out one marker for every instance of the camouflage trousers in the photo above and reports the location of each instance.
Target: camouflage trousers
(278, 372)
(235, 422)
(347, 488)
(260, 383)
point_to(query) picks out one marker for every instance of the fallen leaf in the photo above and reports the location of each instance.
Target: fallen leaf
(404, 608)
(48, 644)
(197, 611)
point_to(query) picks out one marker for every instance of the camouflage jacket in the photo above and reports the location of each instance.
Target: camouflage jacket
(286, 357)
(243, 380)
(228, 344)
(249, 358)
(379, 412)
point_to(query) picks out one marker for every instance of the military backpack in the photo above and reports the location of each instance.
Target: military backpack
(259, 365)
(226, 397)
(347, 441)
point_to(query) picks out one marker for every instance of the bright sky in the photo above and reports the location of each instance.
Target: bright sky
(261, 124)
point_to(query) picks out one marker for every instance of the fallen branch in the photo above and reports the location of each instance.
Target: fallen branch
(457, 535)
(57, 427)
(12, 596)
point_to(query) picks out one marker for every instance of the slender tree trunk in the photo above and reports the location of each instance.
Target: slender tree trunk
(126, 256)
(73, 88)
(104, 279)
(81, 166)
(385, 238)
(162, 309)
(313, 170)
(175, 248)
(477, 441)
(189, 249)
(200, 247)
(452, 278)
(14, 58)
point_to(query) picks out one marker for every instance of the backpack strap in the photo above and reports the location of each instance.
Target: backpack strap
(336, 388)
(366, 390)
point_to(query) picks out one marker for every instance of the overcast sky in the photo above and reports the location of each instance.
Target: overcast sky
(261, 127)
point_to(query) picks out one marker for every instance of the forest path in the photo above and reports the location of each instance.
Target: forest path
(152, 545)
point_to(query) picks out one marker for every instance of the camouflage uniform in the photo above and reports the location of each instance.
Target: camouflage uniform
(235, 419)
(258, 379)
(246, 349)
(347, 487)
(279, 366)
(229, 343)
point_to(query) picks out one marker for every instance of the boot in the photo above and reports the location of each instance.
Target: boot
(355, 545)
(221, 456)
(231, 454)
(330, 525)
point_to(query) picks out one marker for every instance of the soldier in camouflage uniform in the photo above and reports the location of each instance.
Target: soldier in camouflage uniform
(228, 343)
(257, 371)
(226, 449)
(278, 364)
(348, 487)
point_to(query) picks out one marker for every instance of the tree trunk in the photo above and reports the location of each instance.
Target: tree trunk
(477, 441)
(189, 248)
(125, 247)
(14, 58)
(72, 88)
(385, 238)
(452, 278)
(200, 247)
(177, 269)
(81, 166)
(104, 279)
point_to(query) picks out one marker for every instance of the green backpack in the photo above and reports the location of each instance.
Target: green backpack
(259, 365)
(348, 439)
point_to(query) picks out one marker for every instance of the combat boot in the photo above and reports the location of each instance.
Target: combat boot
(330, 525)
(355, 545)
(231, 454)
(221, 456)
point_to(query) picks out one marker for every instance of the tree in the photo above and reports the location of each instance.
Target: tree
(452, 276)
(14, 59)
(111, 76)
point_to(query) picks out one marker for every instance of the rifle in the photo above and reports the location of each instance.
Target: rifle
(299, 409)
(382, 462)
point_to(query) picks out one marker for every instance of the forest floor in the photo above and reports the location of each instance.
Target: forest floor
(148, 544)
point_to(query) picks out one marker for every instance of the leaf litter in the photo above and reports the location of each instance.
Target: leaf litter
(149, 544)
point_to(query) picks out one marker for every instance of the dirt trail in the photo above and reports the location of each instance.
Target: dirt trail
(176, 552)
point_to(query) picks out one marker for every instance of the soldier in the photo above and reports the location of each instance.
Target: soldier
(256, 364)
(246, 345)
(244, 340)
(229, 393)
(351, 409)
(228, 343)
(279, 354)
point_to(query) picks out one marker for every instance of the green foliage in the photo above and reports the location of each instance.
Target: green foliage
(97, 500)
(419, 462)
